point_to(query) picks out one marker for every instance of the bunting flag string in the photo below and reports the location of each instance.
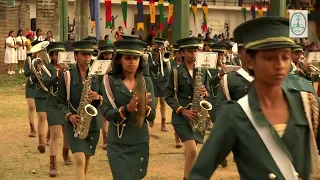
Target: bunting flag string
(140, 17)
(92, 14)
(260, 10)
(244, 12)
(268, 10)
(170, 13)
(124, 7)
(194, 10)
(107, 7)
(205, 16)
(152, 8)
(161, 14)
(253, 11)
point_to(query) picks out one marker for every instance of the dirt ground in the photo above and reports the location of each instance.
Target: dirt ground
(19, 156)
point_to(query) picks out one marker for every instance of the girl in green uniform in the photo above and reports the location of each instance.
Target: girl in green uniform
(40, 94)
(179, 94)
(68, 99)
(270, 130)
(30, 93)
(106, 53)
(55, 116)
(128, 145)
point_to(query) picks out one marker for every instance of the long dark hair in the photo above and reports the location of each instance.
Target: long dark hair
(5, 44)
(117, 67)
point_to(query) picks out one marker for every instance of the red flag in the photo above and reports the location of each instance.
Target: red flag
(107, 7)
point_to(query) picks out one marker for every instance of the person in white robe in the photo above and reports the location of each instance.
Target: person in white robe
(10, 55)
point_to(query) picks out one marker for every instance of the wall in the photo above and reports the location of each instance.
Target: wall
(218, 15)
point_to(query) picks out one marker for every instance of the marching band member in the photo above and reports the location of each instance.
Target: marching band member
(159, 76)
(30, 93)
(179, 94)
(268, 129)
(233, 85)
(56, 120)
(40, 95)
(68, 99)
(128, 145)
(208, 43)
(106, 53)
(175, 63)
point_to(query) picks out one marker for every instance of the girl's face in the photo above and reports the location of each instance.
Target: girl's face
(271, 66)
(13, 34)
(21, 33)
(49, 34)
(130, 63)
(107, 55)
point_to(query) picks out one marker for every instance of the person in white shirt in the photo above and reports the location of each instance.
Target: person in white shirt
(21, 49)
(38, 36)
(49, 37)
(10, 56)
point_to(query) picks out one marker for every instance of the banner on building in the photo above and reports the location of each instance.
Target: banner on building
(170, 13)
(140, 16)
(253, 11)
(161, 14)
(107, 7)
(92, 13)
(194, 10)
(205, 17)
(152, 8)
(298, 23)
(124, 7)
(244, 12)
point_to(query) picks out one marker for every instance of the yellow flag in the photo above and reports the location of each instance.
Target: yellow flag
(152, 13)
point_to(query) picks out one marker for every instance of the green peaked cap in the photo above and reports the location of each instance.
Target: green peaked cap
(190, 42)
(84, 46)
(57, 46)
(219, 48)
(265, 33)
(130, 47)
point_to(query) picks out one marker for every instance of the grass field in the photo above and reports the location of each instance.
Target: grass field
(19, 155)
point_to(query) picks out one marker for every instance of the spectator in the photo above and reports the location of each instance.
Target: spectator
(106, 37)
(10, 56)
(38, 36)
(49, 37)
(21, 49)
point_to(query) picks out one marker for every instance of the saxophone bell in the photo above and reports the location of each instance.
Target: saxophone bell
(205, 105)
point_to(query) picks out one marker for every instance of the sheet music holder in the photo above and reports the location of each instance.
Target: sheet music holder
(99, 67)
(66, 57)
(314, 57)
(206, 60)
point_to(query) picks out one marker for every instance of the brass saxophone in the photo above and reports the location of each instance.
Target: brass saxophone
(85, 110)
(199, 104)
(140, 91)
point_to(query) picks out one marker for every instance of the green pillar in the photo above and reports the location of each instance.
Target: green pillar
(11, 3)
(278, 8)
(181, 20)
(63, 7)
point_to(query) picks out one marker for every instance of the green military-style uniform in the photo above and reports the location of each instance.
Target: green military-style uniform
(235, 132)
(184, 95)
(30, 86)
(234, 83)
(128, 145)
(215, 75)
(87, 145)
(40, 91)
(54, 114)
(298, 70)
(159, 80)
